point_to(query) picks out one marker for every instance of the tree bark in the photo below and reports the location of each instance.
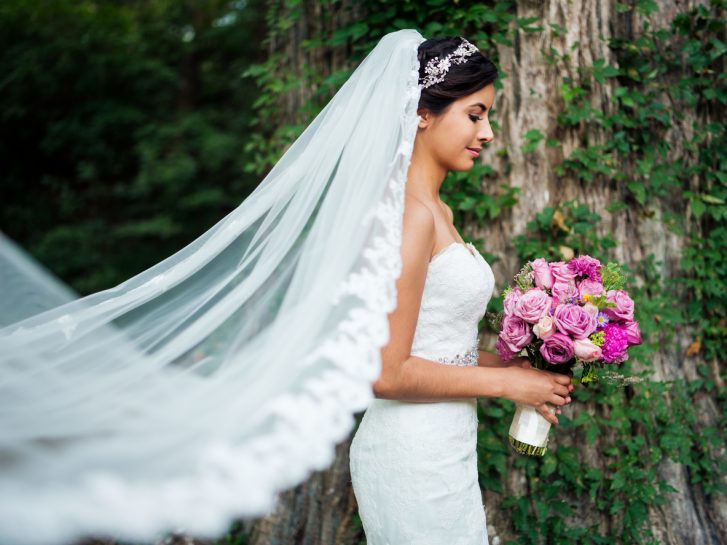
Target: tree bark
(531, 100)
(319, 511)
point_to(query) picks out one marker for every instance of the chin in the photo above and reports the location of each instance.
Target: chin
(462, 167)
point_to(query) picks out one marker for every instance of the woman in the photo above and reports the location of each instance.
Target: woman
(413, 458)
(195, 391)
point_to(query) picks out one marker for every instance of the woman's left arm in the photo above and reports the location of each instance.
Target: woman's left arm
(488, 359)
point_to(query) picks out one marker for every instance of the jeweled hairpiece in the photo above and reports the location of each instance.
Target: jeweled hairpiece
(436, 69)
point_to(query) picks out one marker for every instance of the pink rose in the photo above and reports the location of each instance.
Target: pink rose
(544, 328)
(561, 272)
(590, 287)
(624, 309)
(532, 305)
(573, 320)
(557, 348)
(564, 292)
(516, 333)
(633, 332)
(586, 350)
(510, 299)
(541, 270)
(591, 309)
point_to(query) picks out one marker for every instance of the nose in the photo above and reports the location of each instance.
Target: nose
(485, 133)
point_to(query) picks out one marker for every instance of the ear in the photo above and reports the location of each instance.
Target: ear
(425, 118)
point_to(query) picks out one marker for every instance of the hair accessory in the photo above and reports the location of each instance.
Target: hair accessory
(436, 69)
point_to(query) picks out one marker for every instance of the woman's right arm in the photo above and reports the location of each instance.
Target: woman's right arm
(413, 378)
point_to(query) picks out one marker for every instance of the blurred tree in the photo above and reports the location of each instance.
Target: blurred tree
(122, 128)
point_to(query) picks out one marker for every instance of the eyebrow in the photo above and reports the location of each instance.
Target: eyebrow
(480, 105)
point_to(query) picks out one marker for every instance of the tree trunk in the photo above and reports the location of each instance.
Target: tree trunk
(531, 100)
(320, 510)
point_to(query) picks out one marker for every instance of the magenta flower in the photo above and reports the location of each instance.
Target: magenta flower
(633, 332)
(624, 309)
(574, 320)
(541, 271)
(615, 344)
(532, 305)
(561, 273)
(586, 266)
(510, 299)
(516, 333)
(558, 348)
(503, 350)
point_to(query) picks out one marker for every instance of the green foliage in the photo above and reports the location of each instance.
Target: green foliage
(612, 276)
(122, 128)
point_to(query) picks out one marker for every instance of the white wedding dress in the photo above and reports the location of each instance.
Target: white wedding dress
(414, 464)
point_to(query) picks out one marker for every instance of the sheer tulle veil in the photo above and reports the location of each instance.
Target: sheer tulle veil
(195, 391)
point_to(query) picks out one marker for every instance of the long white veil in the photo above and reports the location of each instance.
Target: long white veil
(195, 391)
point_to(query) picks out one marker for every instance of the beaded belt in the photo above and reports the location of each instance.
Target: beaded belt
(468, 358)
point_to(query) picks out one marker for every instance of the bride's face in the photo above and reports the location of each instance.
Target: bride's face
(455, 137)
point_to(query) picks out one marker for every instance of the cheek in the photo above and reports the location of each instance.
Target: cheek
(456, 135)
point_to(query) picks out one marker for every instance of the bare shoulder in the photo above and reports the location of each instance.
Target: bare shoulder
(418, 225)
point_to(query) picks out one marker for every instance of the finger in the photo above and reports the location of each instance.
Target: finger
(561, 390)
(549, 416)
(562, 379)
(557, 400)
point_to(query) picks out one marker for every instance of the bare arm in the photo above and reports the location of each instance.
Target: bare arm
(488, 359)
(412, 378)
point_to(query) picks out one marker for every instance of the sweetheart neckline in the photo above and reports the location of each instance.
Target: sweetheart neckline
(440, 252)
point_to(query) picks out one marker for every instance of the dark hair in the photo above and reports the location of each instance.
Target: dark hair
(461, 79)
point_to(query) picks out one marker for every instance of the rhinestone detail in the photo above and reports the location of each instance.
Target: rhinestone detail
(468, 358)
(437, 68)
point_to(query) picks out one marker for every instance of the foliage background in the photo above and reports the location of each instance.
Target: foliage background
(137, 125)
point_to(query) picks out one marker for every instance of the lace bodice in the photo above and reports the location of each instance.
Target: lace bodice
(458, 286)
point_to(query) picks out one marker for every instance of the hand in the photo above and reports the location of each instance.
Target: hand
(536, 387)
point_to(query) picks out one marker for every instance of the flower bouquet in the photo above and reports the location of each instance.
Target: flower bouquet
(564, 315)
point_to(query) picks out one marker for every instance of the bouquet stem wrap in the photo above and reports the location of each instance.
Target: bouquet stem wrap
(529, 431)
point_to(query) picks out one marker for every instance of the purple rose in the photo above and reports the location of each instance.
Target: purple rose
(558, 348)
(561, 273)
(510, 299)
(624, 309)
(543, 276)
(532, 305)
(516, 333)
(633, 332)
(590, 288)
(503, 350)
(586, 266)
(615, 343)
(564, 292)
(574, 320)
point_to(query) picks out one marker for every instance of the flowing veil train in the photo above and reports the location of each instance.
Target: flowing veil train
(195, 391)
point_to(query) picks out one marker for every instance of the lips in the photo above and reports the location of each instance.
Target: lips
(474, 151)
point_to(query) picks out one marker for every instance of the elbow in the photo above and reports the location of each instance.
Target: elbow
(380, 389)
(384, 387)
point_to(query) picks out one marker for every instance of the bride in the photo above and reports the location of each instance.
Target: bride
(194, 392)
(413, 459)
